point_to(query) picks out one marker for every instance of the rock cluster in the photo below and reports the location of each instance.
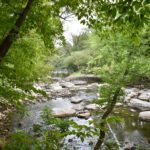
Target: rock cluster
(140, 100)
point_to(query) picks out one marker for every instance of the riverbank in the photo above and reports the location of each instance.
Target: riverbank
(74, 99)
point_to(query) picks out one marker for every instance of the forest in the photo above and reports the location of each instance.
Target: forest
(89, 90)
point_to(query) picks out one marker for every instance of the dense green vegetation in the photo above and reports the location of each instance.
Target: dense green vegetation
(117, 48)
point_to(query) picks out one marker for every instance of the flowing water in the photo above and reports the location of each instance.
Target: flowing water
(130, 132)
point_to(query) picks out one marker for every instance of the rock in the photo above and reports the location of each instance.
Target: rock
(132, 110)
(127, 99)
(76, 100)
(67, 84)
(118, 104)
(63, 112)
(93, 86)
(61, 93)
(78, 88)
(145, 95)
(145, 115)
(139, 104)
(131, 90)
(130, 93)
(92, 106)
(56, 86)
(78, 107)
(84, 114)
(79, 82)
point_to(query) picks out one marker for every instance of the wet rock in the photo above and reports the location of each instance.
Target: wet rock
(63, 112)
(78, 107)
(76, 100)
(92, 106)
(145, 115)
(145, 95)
(139, 104)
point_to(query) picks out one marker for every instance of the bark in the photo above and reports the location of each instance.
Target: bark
(105, 115)
(8, 41)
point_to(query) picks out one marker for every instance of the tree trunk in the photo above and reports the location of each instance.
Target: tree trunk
(105, 115)
(7, 42)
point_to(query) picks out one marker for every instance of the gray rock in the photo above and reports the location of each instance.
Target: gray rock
(63, 112)
(79, 82)
(145, 115)
(145, 95)
(56, 86)
(78, 107)
(93, 86)
(131, 90)
(92, 106)
(139, 104)
(76, 100)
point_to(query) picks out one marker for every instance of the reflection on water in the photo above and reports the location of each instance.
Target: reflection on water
(132, 130)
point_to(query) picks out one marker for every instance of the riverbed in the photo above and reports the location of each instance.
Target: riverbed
(132, 132)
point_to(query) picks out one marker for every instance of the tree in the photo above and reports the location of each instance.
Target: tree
(28, 32)
(120, 62)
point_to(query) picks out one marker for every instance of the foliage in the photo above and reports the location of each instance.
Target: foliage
(120, 62)
(49, 135)
(28, 57)
(22, 66)
(74, 56)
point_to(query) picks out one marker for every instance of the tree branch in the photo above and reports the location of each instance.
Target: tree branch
(8, 41)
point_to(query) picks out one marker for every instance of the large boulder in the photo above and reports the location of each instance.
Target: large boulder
(63, 112)
(139, 104)
(145, 115)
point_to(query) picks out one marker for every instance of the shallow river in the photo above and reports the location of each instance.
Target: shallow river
(130, 132)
